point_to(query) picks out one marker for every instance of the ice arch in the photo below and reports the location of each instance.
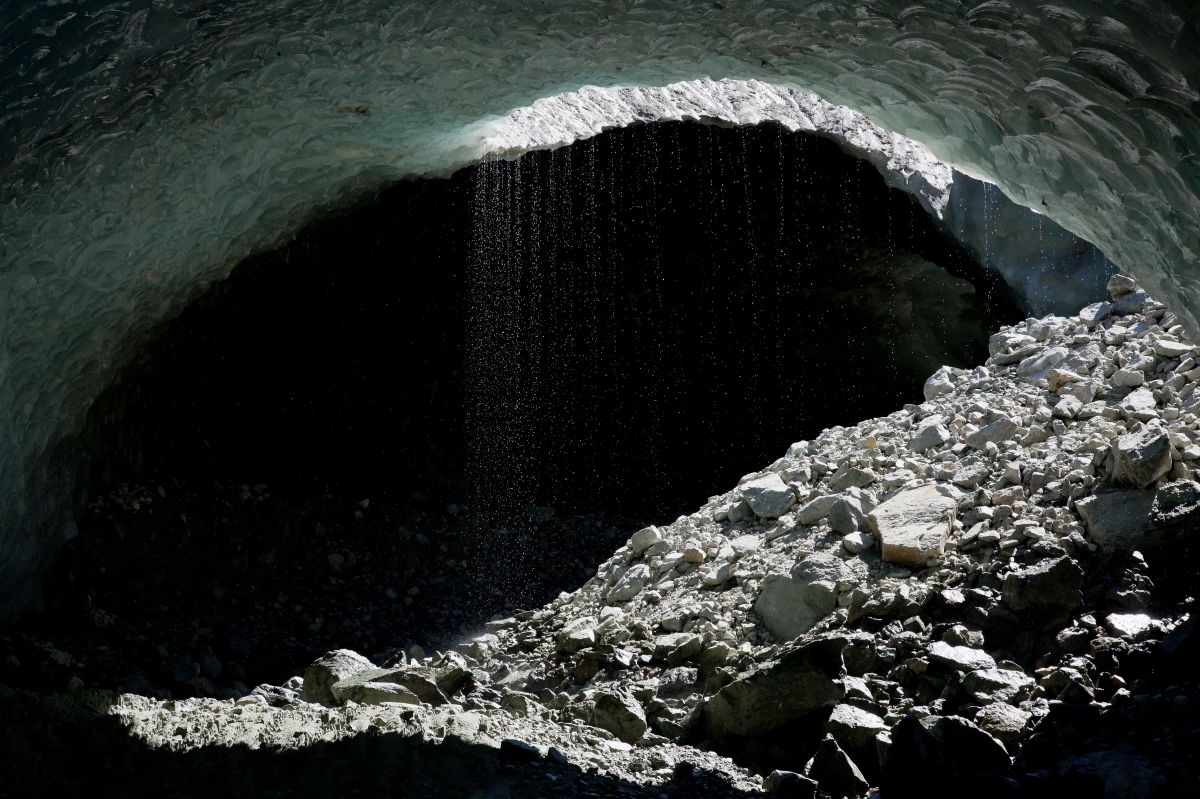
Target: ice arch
(146, 145)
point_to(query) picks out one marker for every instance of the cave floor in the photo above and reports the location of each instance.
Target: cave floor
(179, 590)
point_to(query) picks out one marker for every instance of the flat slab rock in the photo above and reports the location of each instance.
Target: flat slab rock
(912, 526)
(962, 658)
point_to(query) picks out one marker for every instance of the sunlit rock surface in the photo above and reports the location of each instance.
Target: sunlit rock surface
(146, 146)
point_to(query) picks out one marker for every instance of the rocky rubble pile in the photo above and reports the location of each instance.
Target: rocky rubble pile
(910, 603)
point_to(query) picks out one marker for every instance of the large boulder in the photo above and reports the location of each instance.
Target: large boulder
(939, 383)
(417, 681)
(835, 773)
(768, 496)
(790, 605)
(917, 765)
(912, 526)
(1052, 585)
(1003, 722)
(619, 713)
(677, 648)
(1141, 458)
(330, 668)
(1001, 429)
(366, 692)
(629, 585)
(854, 728)
(1135, 519)
(929, 436)
(804, 679)
(998, 685)
(974, 751)
(644, 539)
(960, 658)
(817, 509)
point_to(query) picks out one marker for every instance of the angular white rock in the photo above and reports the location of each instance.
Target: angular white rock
(912, 526)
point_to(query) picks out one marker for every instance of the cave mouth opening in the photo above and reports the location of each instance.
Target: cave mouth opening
(457, 397)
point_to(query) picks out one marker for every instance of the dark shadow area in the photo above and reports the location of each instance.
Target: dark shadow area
(458, 397)
(634, 321)
(54, 746)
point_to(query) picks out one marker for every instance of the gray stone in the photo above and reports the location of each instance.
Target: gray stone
(1120, 285)
(789, 785)
(630, 584)
(1131, 303)
(959, 635)
(745, 543)
(835, 773)
(1130, 626)
(1134, 519)
(851, 477)
(975, 751)
(1141, 458)
(1052, 585)
(858, 542)
(1095, 313)
(960, 658)
(576, 635)
(719, 575)
(854, 728)
(791, 604)
(416, 680)
(377, 693)
(1172, 349)
(939, 383)
(1073, 639)
(1006, 340)
(998, 685)
(644, 539)
(929, 437)
(817, 509)
(970, 474)
(677, 648)
(846, 516)
(1003, 722)
(330, 668)
(1128, 378)
(1039, 364)
(1000, 430)
(1067, 407)
(768, 496)
(804, 679)
(912, 526)
(619, 713)
(1085, 392)
(1139, 406)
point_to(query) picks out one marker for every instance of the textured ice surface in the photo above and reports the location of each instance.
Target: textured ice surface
(146, 145)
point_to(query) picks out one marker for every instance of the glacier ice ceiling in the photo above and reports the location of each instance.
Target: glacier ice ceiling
(147, 145)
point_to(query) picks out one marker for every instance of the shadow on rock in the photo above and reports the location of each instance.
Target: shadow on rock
(52, 745)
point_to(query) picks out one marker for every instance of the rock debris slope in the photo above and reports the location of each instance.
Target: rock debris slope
(938, 584)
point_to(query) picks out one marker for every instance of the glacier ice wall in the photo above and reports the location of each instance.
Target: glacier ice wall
(146, 145)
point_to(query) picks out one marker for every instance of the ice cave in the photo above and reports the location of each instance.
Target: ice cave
(599, 398)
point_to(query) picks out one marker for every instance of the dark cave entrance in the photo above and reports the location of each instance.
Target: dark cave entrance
(615, 330)
(639, 318)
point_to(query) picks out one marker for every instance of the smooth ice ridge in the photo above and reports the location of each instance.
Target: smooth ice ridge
(146, 146)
